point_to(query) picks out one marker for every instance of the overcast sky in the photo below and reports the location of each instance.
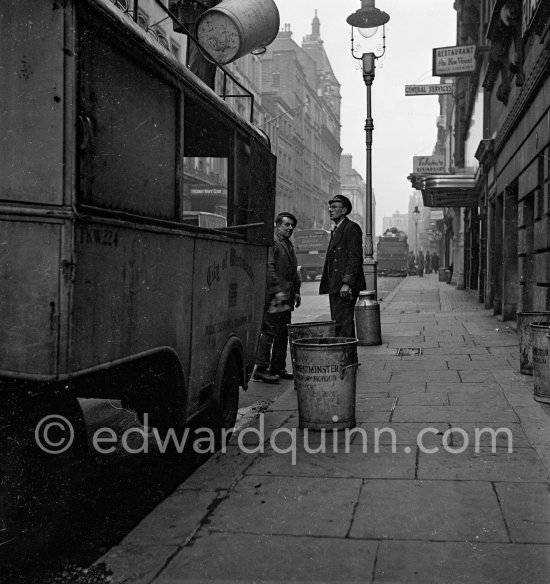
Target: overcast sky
(403, 126)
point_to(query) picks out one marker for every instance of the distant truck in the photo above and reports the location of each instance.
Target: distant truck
(311, 248)
(392, 253)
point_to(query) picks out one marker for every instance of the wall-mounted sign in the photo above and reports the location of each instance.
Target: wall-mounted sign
(451, 61)
(437, 235)
(440, 89)
(435, 215)
(205, 191)
(428, 164)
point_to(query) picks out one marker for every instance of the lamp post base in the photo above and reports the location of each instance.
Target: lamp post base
(370, 272)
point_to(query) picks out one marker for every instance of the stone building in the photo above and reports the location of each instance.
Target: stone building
(354, 188)
(302, 94)
(497, 145)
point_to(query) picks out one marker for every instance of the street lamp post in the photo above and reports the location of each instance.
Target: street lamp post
(367, 20)
(416, 217)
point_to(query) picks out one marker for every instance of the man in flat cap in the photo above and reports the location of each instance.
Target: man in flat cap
(343, 276)
(282, 296)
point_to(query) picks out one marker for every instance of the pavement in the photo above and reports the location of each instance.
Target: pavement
(427, 504)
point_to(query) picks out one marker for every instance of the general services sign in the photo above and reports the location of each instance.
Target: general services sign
(451, 61)
(440, 89)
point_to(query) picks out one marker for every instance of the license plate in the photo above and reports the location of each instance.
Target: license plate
(313, 251)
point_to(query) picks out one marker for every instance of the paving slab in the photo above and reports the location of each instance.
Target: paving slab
(220, 471)
(427, 376)
(174, 520)
(220, 557)
(526, 509)
(511, 435)
(361, 460)
(137, 563)
(416, 562)
(412, 364)
(451, 511)
(455, 414)
(404, 433)
(288, 505)
(521, 465)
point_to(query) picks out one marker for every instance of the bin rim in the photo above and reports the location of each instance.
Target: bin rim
(315, 342)
(540, 325)
(308, 324)
(533, 312)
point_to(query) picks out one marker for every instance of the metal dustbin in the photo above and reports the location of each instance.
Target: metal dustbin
(325, 377)
(443, 274)
(541, 371)
(367, 319)
(524, 320)
(307, 330)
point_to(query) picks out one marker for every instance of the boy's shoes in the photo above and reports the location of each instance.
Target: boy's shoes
(260, 375)
(284, 374)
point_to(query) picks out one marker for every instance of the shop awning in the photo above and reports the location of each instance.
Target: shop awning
(446, 190)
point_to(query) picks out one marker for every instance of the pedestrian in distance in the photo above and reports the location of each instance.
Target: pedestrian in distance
(435, 262)
(343, 276)
(411, 264)
(428, 263)
(420, 264)
(282, 296)
(450, 278)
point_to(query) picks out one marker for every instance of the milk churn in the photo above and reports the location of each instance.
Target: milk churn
(367, 319)
(234, 28)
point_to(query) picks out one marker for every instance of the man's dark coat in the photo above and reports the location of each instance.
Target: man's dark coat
(344, 260)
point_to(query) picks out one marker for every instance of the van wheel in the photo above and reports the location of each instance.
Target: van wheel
(227, 399)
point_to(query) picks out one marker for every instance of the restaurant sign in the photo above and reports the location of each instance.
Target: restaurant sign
(428, 164)
(439, 89)
(451, 61)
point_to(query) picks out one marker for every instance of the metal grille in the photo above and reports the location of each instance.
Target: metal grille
(409, 352)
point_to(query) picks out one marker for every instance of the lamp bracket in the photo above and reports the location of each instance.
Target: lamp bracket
(360, 57)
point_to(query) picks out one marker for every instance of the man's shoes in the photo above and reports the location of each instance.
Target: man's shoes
(284, 374)
(266, 377)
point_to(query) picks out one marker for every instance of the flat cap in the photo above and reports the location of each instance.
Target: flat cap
(280, 216)
(341, 199)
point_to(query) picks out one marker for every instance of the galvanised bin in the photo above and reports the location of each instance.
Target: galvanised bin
(541, 370)
(524, 319)
(325, 378)
(307, 330)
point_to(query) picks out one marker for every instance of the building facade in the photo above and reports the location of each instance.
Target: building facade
(354, 188)
(497, 144)
(398, 220)
(302, 95)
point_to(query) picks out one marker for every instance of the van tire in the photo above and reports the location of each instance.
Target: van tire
(226, 401)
